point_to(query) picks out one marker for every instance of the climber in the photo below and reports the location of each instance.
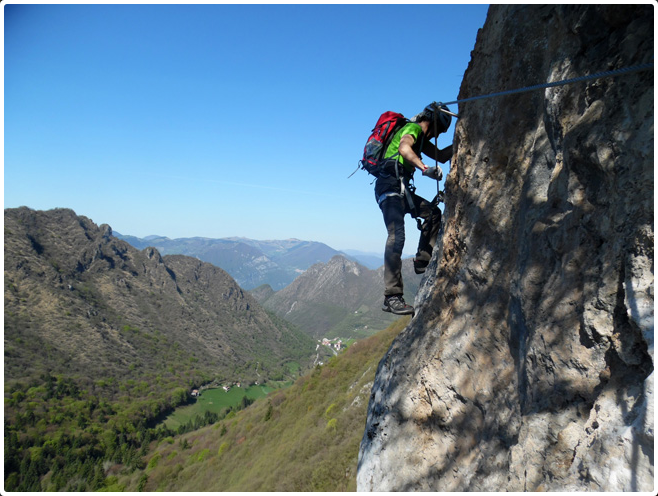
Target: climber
(395, 195)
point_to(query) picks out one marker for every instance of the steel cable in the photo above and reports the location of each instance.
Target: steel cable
(598, 75)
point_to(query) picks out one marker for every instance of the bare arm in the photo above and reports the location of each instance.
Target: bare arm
(406, 142)
(434, 153)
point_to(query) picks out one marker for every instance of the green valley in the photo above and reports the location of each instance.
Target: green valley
(303, 438)
(105, 347)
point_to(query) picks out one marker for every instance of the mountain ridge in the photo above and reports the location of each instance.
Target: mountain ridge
(339, 298)
(250, 262)
(104, 284)
(102, 339)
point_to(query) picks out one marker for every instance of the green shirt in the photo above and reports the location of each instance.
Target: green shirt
(414, 130)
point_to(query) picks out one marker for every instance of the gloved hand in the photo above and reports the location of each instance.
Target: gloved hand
(433, 173)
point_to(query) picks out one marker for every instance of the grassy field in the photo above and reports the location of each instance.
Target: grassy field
(214, 400)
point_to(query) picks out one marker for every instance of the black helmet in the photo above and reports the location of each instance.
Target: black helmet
(438, 114)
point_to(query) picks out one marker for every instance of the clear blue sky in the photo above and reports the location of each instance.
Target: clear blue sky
(220, 120)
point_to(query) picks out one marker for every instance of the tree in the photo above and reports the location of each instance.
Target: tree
(268, 413)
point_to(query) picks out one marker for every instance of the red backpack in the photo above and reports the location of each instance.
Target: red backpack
(373, 153)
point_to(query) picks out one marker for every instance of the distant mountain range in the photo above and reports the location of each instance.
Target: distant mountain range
(339, 298)
(325, 292)
(252, 263)
(367, 259)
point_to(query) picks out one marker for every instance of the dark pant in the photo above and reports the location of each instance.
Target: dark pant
(394, 209)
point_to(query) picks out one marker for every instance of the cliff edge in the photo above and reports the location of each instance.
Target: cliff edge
(529, 363)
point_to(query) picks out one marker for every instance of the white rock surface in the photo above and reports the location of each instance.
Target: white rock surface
(529, 363)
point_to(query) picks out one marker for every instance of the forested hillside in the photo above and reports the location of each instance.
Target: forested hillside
(101, 339)
(304, 438)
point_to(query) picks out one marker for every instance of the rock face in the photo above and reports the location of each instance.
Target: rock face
(529, 363)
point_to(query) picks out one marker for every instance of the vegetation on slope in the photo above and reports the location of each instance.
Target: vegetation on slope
(101, 341)
(73, 433)
(304, 438)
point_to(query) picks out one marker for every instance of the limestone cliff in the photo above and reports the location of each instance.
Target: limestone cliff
(529, 363)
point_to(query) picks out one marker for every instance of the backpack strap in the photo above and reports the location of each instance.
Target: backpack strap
(405, 191)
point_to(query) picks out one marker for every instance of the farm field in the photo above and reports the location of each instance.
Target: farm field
(214, 400)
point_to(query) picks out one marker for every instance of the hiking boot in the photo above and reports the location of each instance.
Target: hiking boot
(395, 304)
(420, 265)
(421, 261)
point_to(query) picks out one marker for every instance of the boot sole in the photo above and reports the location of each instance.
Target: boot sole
(389, 310)
(419, 268)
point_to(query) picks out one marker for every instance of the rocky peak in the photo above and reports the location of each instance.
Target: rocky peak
(339, 294)
(529, 363)
(342, 264)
